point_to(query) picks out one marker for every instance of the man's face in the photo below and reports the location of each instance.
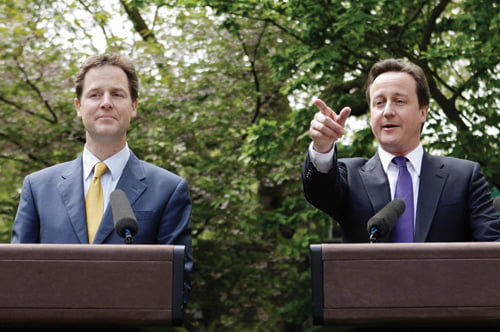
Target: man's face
(105, 105)
(396, 117)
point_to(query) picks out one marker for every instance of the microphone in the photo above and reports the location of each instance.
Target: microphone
(383, 221)
(123, 217)
(496, 203)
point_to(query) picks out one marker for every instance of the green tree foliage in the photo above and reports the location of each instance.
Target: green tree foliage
(225, 100)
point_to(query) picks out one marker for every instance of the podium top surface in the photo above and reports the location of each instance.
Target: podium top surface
(349, 251)
(30, 251)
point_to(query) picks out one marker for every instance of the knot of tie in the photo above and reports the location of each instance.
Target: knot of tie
(400, 161)
(99, 169)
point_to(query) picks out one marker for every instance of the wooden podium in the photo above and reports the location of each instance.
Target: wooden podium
(400, 284)
(81, 285)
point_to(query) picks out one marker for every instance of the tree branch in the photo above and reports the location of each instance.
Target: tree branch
(140, 25)
(39, 94)
(430, 27)
(252, 56)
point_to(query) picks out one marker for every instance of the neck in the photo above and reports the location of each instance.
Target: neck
(104, 150)
(398, 152)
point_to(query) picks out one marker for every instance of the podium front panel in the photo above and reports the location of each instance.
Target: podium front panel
(439, 284)
(90, 285)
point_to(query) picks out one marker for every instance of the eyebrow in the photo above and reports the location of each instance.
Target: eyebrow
(397, 94)
(112, 89)
(401, 94)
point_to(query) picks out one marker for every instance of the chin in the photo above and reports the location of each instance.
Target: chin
(107, 129)
(390, 146)
(389, 141)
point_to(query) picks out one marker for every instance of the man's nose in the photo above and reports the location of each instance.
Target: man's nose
(389, 109)
(106, 101)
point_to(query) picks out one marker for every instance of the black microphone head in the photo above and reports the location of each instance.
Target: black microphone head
(126, 223)
(384, 220)
(496, 203)
(123, 215)
(395, 209)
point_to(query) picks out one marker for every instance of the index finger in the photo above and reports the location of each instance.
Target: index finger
(323, 107)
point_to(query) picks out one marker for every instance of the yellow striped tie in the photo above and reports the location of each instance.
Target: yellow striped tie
(94, 202)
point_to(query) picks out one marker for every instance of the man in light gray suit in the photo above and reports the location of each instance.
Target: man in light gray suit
(451, 196)
(52, 204)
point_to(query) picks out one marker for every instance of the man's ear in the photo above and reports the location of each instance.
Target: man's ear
(76, 102)
(135, 105)
(425, 111)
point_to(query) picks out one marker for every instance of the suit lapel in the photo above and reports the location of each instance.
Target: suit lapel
(132, 183)
(432, 180)
(71, 190)
(376, 183)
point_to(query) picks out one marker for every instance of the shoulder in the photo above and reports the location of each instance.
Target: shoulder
(164, 182)
(144, 169)
(445, 162)
(456, 168)
(355, 161)
(154, 174)
(56, 170)
(157, 171)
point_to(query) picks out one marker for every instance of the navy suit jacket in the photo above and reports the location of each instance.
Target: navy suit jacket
(454, 201)
(52, 207)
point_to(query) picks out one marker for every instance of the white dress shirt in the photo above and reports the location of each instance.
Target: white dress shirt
(116, 163)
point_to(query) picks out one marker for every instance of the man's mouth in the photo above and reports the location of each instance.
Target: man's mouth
(105, 117)
(390, 126)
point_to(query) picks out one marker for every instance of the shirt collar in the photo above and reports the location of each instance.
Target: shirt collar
(116, 163)
(415, 158)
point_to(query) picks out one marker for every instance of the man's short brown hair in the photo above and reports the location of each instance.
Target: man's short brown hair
(399, 65)
(112, 60)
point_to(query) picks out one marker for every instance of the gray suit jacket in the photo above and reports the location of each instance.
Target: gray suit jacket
(454, 201)
(52, 207)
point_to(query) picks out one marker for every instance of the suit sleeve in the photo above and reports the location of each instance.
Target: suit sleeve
(26, 223)
(484, 219)
(324, 190)
(176, 227)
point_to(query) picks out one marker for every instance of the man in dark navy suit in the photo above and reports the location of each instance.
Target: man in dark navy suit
(451, 196)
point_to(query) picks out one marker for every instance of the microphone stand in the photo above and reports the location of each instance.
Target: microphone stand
(373, 234)
(128, 236)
